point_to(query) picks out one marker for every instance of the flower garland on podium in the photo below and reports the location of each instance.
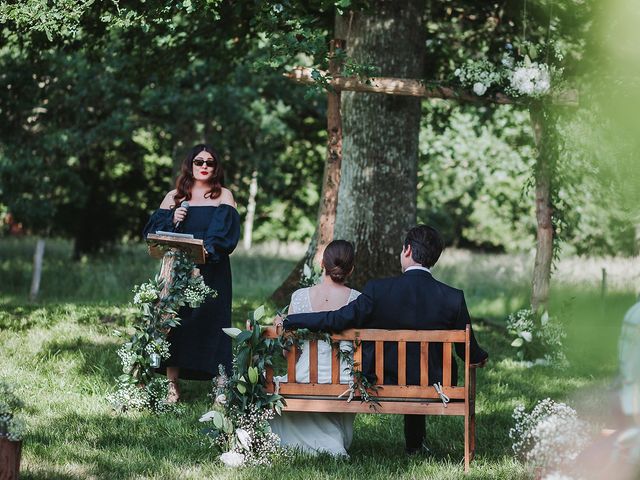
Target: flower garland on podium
(139, 388)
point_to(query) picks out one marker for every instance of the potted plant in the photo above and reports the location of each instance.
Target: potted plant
(12, 429)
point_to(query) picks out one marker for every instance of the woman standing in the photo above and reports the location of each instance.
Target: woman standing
(199, 345)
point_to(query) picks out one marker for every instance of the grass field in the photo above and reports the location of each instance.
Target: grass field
(61, 356)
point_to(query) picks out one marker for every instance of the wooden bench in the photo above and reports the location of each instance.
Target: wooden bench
(394, 399)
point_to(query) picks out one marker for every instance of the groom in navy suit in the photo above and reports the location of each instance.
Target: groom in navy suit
(412, 301)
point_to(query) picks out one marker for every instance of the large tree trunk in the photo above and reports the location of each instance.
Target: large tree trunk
(377, 196)
(330, 183)
(544, 215)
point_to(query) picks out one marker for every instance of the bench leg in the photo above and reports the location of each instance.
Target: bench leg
(472, 433)
(467, 442)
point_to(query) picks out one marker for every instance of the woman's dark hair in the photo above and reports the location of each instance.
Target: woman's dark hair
(185, 180)
(338, 259)
(426, 245)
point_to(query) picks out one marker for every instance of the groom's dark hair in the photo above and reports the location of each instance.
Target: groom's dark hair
(426, 245)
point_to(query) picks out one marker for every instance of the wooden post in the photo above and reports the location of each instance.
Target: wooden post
(544, 212)
(331, 180)
(330, 183)
(37, 270)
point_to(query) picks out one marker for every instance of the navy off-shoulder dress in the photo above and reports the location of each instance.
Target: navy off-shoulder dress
(199, 345)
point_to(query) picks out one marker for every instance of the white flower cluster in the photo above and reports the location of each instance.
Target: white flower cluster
(128, 397)
(521, 323)
(161, 347)
(550, 436)
(539, 339)
(127, 357)
(145, 293)
(14, 427)
(557, 476)
(197, 292)
(531, 79)
(521, 78)
(251, 441)
(153, 397)
(479, 75)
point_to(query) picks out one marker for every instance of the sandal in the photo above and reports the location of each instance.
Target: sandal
(173, 396)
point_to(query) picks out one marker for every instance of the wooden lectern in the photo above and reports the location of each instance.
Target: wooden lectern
(161, 243)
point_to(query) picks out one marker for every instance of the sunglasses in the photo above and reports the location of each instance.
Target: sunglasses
(198, 163)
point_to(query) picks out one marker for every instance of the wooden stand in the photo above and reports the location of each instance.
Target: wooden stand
(9, 459)
(160, 245)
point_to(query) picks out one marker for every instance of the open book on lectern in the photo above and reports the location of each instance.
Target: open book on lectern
(159, 242)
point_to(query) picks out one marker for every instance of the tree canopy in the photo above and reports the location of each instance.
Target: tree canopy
(100, 100)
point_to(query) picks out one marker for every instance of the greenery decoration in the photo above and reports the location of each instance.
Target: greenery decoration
(359, 384)
(239, 420)
(521, 72)
(310, 276)
(138, 387)
(12, 427)
(538, 338)
(238, 423)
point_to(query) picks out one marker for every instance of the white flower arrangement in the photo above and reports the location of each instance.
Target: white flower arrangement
(550, 436)
(558, 476)
(522, 77)
(138, 388)
(480, 75)
(238, 422)
(145, 293)
(538, 338)
(232, 459)
(196, 293)
(247, 439)
(531, 79)
(12, 426)
(159, 346)
(152, 396)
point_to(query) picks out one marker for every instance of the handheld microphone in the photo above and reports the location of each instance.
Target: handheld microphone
(185, 205)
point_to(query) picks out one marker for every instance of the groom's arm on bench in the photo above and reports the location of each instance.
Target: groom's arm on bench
(478, 355)
(351, 315)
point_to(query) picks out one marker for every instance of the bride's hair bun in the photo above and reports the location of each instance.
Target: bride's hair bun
(338, 259)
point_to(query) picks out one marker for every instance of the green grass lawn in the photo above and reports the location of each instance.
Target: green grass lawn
(60, 354)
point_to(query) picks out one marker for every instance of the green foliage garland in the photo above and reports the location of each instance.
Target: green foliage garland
(138, 386)
(360, 383)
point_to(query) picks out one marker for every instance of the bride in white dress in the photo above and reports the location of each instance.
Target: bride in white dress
(321, 432)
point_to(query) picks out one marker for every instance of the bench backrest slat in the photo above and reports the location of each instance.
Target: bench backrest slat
(335, 365)
(446, 364)
(291, 364)
(313, 361)
(380, 361)
(402, 363)
(424, 364)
